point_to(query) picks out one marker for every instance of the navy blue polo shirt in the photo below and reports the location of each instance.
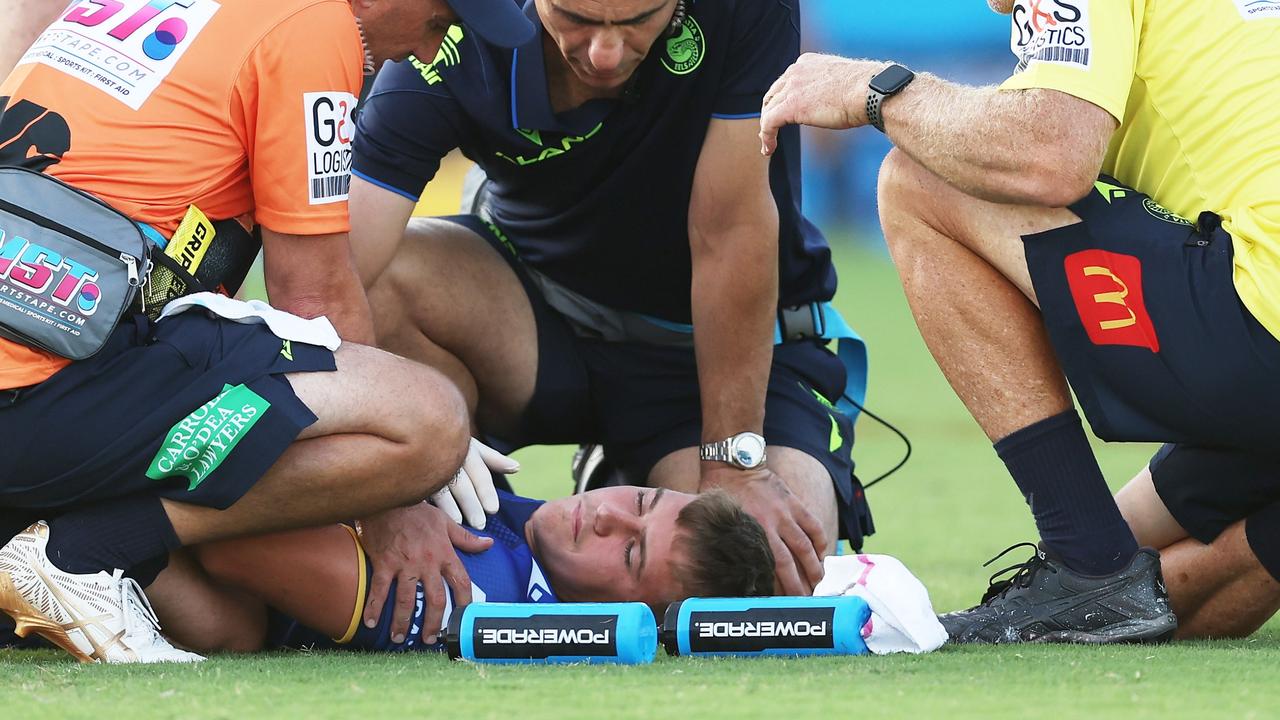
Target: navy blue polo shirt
(597, 198)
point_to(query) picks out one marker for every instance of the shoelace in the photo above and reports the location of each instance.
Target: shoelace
(136, 605)
(1024, 572)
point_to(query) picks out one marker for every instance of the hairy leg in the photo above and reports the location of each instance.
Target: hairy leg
(450, 301)
(965, 275)
(389, 433)
(312, 575)
(807, 478)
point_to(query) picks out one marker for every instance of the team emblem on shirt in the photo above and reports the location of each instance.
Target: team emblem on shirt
(1052, 31)
(684, 51)
(126, 48)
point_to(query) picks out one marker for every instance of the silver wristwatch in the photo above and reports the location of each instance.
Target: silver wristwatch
(745, 451)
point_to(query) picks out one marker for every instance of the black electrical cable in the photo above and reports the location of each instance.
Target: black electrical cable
(905, 441)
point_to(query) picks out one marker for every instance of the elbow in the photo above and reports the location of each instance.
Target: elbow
(1061, 172)
(1058, 187)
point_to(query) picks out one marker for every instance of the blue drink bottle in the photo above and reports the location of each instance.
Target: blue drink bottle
(620, 633)
(747, 627)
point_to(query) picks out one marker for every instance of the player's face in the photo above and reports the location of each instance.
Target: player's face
(396, 29)
(610, 545)
(604, 41)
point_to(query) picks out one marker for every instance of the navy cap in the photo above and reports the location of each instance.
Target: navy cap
(499, 22)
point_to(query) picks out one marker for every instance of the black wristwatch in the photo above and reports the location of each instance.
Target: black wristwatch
(889, 82)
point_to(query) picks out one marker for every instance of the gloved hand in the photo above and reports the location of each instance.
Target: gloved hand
(471, 494)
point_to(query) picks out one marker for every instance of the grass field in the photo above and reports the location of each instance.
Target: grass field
(946, 512)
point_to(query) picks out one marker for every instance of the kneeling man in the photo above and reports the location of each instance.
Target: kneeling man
(1106, 217)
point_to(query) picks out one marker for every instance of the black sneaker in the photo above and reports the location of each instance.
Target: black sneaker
(1044, 601)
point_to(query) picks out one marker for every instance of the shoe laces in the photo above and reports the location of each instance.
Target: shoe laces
(1024, 573)
(138, 613)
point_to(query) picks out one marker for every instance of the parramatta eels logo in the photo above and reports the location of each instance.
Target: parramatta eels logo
(685, 51)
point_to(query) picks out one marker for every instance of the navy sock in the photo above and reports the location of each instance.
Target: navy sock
(1055, 468)
(131, 533)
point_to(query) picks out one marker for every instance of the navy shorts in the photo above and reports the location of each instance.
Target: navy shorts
(1144, 317)
(1209, 489)
(641, 401)
(192, 408)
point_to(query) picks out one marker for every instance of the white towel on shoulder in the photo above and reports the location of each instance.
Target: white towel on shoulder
(286, 326)
(902, 617)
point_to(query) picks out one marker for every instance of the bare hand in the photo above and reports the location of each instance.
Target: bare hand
(819, 90)
(415, 545)
(795, 535)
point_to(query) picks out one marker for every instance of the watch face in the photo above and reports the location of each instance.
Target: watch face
(748, 450)
(892, 79)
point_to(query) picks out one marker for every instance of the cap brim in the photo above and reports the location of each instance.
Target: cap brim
(499, 22)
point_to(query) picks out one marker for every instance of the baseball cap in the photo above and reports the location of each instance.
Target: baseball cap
(500, 22)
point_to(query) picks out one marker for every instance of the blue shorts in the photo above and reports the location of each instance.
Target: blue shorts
(641, 401)
(1143, 315)
(192, 408)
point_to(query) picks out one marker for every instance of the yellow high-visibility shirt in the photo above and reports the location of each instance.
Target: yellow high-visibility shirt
(1195, 85)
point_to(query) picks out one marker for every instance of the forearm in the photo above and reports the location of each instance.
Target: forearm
(335, 293)
(978, 139)
(1037, 147)
(734, 302)
(341, 300)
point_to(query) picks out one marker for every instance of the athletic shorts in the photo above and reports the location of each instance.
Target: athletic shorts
(1209, 489)
(1144, 317)
(192, 408)
(641, 401)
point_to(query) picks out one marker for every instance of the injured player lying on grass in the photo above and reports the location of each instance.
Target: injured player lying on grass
(307, 588)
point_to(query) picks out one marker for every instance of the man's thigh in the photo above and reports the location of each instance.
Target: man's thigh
(1143, 315)
(456, 285)
(648, 402)
(193, 408)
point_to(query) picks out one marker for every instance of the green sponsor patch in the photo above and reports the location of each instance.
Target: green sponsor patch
(198, 444)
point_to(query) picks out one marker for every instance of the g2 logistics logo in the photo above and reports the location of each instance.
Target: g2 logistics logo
(126, 48)
(330, 129)
(1052, 31)
(43, 283)
(684, 51)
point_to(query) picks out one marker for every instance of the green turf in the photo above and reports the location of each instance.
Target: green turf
(951, 508)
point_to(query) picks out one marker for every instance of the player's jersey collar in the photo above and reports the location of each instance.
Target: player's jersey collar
(530, 98)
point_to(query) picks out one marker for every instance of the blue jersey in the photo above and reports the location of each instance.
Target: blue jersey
(506, 572)
(597, 198)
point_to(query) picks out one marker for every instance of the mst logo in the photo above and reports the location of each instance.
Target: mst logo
(126, 48)
(47, 282)
(685, 51)
(1053, 31)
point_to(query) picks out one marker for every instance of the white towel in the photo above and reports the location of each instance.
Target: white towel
(286, 326)
(902, 618)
